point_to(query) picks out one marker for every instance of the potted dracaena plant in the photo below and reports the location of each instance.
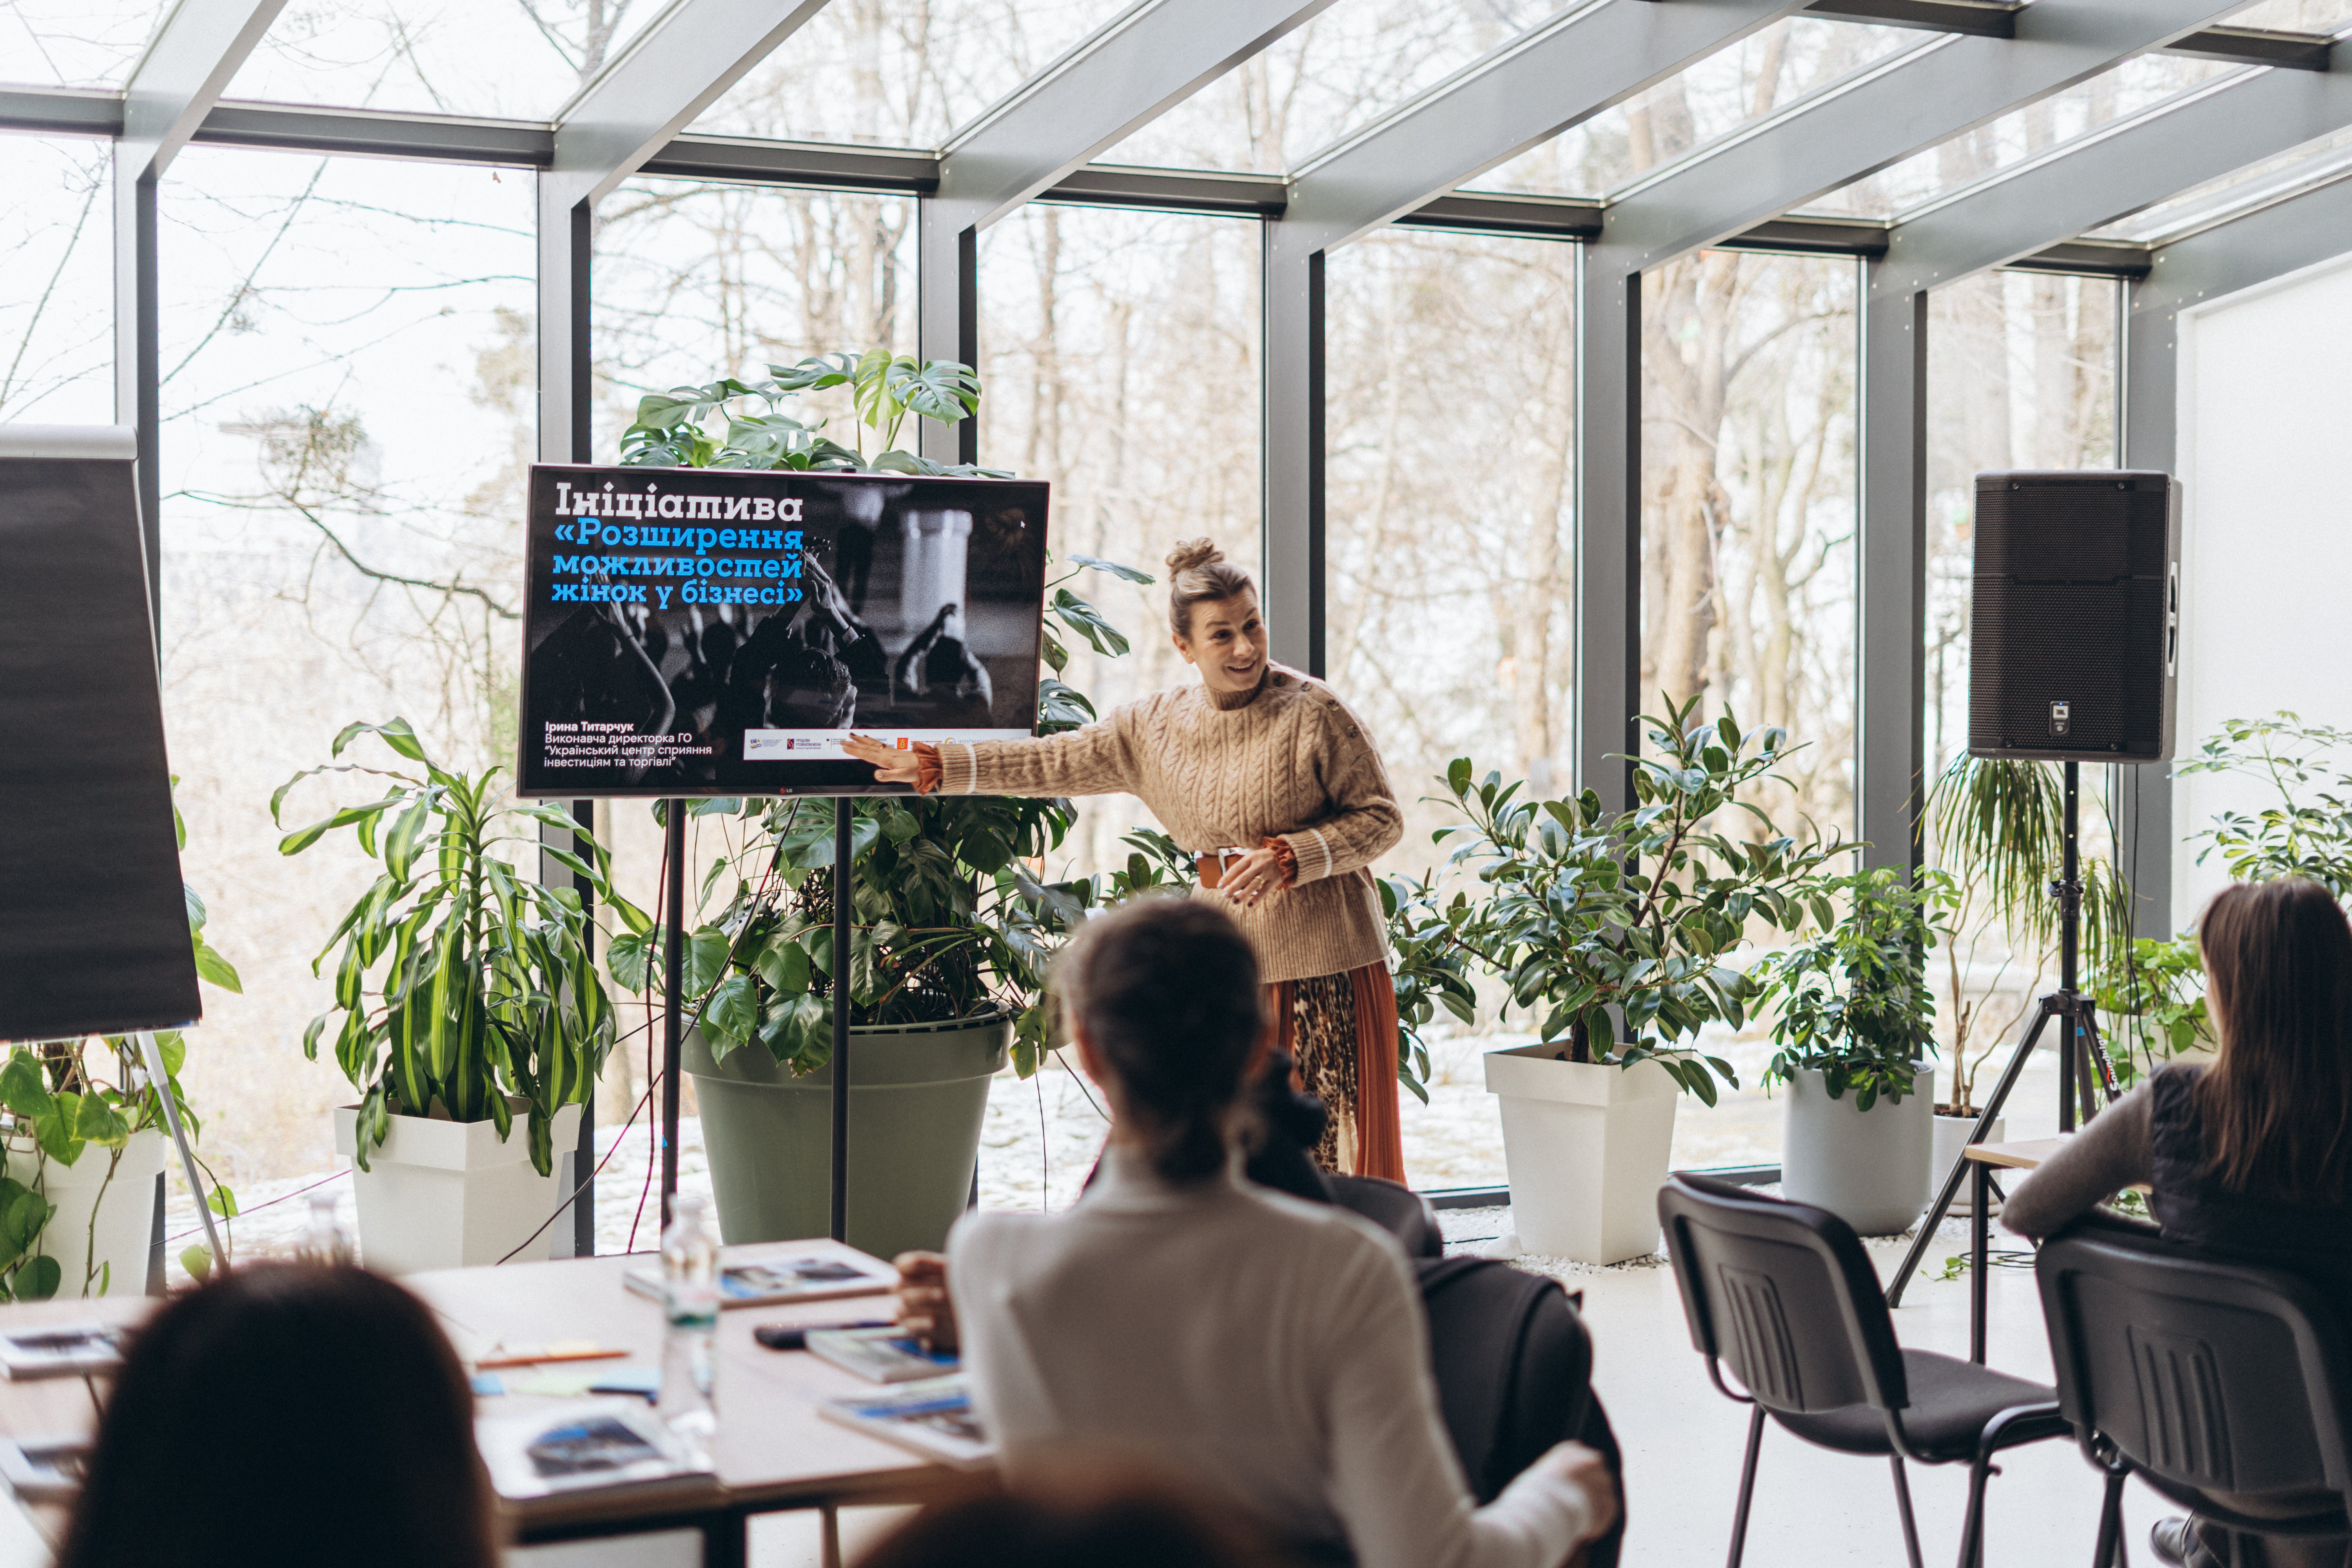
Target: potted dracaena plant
(946, 977)
(1610, 930)
(83, 1134)
(468, 1011)
(1853, 1022)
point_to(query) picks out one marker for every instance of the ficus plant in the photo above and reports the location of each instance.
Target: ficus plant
(1851, 1000)
(1611, 928)
(464, 987)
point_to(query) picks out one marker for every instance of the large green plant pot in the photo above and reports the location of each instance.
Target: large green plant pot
(917, 1093)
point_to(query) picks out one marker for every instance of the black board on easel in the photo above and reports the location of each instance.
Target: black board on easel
(93, 918)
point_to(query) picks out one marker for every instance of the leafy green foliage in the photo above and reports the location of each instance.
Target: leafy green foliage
(1854, 1002)
(1596, 921)
(884, 389)
(2308, 831)
(1432, 968)
(460, 984)
(2153, 993)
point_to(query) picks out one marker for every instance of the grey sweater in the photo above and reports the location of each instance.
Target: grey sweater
(2112, 1152)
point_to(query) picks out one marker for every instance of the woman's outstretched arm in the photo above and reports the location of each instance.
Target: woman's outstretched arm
(2112, 1152)
(1096, 760)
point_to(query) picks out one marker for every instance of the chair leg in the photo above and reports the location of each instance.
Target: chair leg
(1747, 1485)
(1903, 1505)
(2111, 1525)
(1972, 1526)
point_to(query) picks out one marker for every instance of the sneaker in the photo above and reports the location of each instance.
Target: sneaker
(2176, 1541)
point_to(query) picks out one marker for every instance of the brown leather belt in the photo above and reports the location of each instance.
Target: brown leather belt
(1211, 865)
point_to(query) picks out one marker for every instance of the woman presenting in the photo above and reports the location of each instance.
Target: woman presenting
(1265, 776)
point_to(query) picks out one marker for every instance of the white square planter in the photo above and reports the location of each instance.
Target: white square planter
(1587, 1146)
(104, 1222)
(449, 1195)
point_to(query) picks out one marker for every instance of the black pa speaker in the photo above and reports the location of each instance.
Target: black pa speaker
(2077, 616)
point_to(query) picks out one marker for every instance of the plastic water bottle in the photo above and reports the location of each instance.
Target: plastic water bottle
(690, 1272)
(324, 1240)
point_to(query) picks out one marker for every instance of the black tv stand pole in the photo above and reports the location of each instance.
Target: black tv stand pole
(844, 816)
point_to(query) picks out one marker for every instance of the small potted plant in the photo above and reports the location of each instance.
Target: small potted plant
(1611, 930)
(1854, 1023)
(466, 1000)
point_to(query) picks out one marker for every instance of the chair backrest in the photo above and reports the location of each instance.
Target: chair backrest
(1783, 1295)
(1514, 1366)
(2215, 1375)
(1399, 1210)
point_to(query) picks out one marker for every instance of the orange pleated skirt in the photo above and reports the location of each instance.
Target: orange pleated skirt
(1342, 1031)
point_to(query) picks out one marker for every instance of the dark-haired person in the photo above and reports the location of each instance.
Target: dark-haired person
(1265, 774)
(287, 1415)
(2247, 1158)
(1270, 1354)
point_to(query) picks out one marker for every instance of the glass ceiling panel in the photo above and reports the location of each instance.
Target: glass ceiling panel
(74, 43)
(518, 60)
(1352, 64)
(1761, 75)
(2257, 184)
(2296, 16)
(2133, 88)
(894, 74)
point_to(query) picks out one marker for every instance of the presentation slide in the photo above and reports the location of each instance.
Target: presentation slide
(710, 632)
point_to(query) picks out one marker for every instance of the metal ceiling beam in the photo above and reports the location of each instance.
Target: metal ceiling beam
(1871, 122)
(1550, 78)
(633, 109)
(186, 65)
(2124, 169)
(1151, 58)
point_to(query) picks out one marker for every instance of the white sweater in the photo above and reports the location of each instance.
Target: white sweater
(1268, 1351)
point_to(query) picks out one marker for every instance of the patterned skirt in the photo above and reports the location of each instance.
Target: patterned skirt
(1341, 1030)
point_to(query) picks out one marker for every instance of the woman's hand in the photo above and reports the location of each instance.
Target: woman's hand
(891, 765)
(1253, 878)
(1585, 1469)
(926, 1312)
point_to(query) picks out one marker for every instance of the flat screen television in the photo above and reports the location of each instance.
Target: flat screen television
(93, 918)
(708, 632)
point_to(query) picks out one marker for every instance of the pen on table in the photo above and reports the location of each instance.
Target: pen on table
(794, 1337)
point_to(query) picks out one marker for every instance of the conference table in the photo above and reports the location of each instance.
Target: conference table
(773, 1452)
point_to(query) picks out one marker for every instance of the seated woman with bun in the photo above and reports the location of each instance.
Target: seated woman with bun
(1267, 1354)
(2247, 1158)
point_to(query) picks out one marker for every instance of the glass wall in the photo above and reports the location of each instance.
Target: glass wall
(1119, 355)
(348, 410)
(1450, 409)
(1748, 507)
(57, 316)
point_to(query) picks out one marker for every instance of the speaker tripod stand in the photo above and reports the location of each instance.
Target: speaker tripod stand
(2085, 1073)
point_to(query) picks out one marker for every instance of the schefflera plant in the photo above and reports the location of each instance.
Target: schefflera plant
(461, 983)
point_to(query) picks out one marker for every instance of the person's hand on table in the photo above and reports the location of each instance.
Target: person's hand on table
(925, 1310)
(1254, 878)
(891, 765)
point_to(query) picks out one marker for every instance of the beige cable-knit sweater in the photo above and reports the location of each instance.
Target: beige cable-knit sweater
(1286, 761)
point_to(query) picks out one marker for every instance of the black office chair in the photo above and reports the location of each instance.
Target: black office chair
(1514, 1366)
(1783, 1295)
(2198, 1376)
(1399, 1210)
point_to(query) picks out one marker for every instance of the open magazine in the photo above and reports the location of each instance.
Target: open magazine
(934, 1419)
(787, 1277)
(589, 1445)
(880, 1355)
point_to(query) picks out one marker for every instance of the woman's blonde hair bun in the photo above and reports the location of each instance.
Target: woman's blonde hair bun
(1190, 554)
(1198, 571)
